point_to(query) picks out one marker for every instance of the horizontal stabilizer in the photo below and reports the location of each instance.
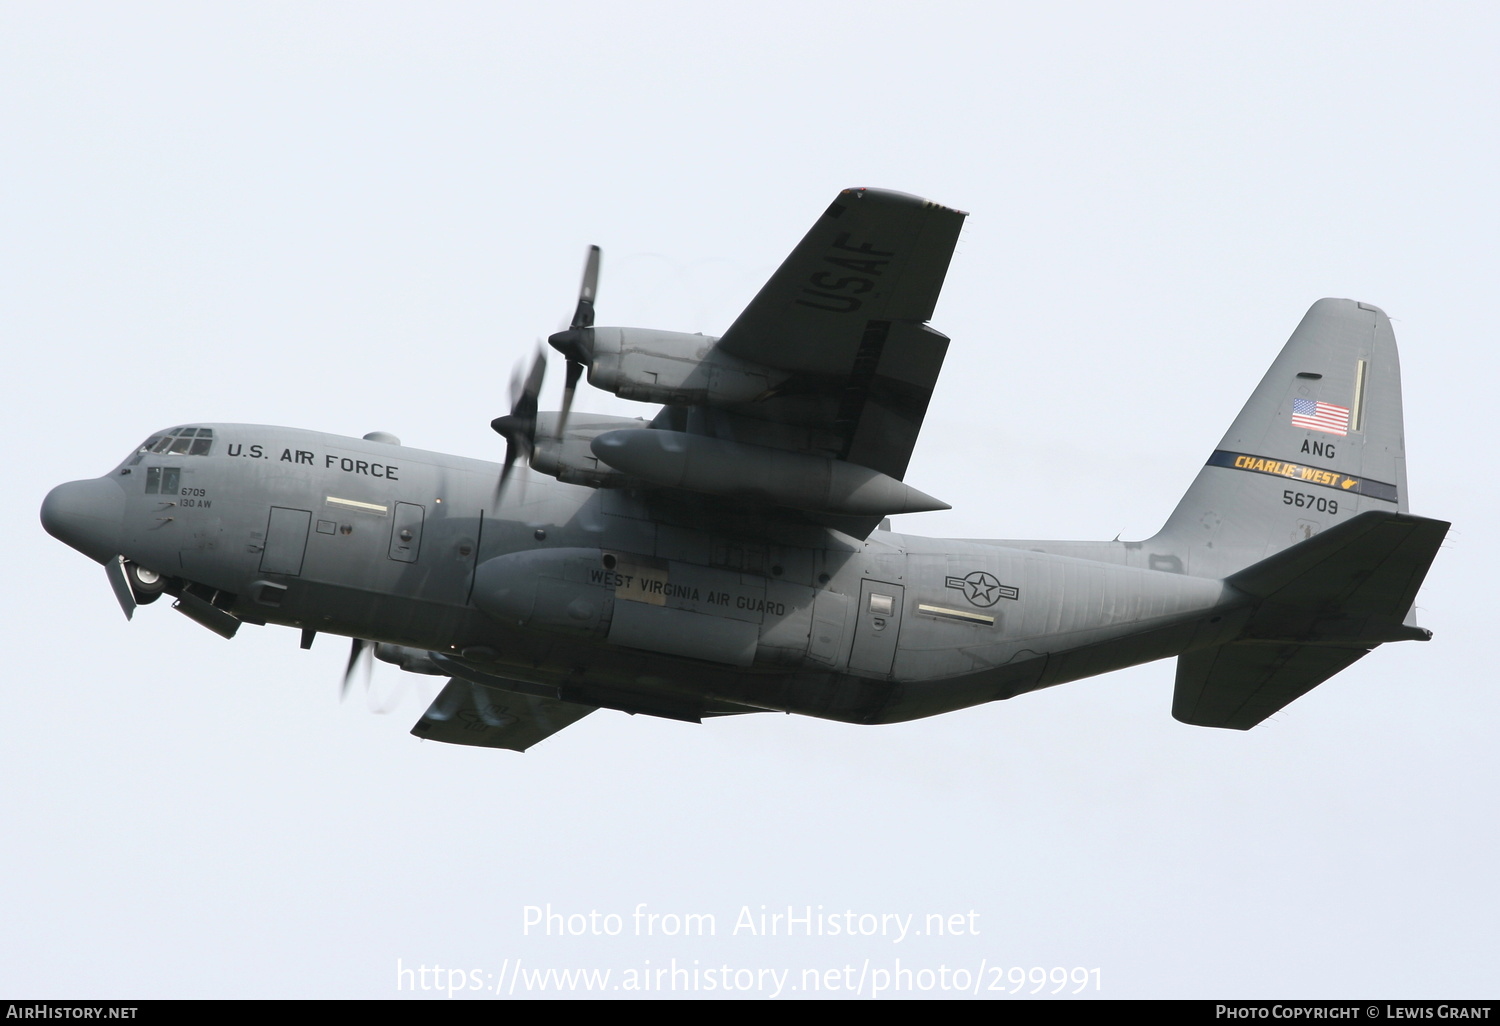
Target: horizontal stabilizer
(1239, 684)
(1320, 606)
(1363, 574)
(470, 714)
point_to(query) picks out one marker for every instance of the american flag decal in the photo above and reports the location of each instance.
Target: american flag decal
(1318, 416)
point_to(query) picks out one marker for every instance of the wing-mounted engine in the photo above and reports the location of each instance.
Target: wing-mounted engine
(813, 398)
(667, 367)
(564, 450)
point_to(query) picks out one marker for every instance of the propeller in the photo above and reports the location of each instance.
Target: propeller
(361, 663)
(518, 427)
(577, 342)
(360, 652)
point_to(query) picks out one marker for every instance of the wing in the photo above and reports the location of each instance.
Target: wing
(844, 320)
(469, 714)
(810, 403)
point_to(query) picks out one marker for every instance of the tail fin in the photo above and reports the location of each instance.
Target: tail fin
(1319, 606)
(1320, 441)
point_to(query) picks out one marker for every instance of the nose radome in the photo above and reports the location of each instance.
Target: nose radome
(88, 515)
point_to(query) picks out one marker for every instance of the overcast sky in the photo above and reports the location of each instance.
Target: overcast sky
(351, 217)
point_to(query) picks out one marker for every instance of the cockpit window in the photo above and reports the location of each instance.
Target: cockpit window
(183, 441)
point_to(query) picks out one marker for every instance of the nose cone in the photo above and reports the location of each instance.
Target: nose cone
(88, 515)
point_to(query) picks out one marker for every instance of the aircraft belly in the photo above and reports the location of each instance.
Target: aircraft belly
(634, 680)
(683, 633)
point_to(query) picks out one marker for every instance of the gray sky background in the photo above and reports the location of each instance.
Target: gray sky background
(356, 217)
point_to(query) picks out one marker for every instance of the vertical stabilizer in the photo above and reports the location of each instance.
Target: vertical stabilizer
(1320, 441)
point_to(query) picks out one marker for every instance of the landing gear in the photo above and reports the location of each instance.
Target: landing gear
(145, 585)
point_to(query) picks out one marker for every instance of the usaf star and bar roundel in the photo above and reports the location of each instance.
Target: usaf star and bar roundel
(983, 588)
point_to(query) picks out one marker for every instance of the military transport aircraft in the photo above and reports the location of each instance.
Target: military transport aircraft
(732, 554)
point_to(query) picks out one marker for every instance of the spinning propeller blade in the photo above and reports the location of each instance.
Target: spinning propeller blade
(359, 652)
(362, 656)
(577, 342)
(518, 427)
(583, 314)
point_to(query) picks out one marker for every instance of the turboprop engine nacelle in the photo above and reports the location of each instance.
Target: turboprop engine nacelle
(568, 457)
(668, 367)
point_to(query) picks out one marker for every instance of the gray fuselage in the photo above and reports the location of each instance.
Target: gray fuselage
(625, 598)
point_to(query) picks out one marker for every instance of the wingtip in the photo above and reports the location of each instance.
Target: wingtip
(894, 195)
